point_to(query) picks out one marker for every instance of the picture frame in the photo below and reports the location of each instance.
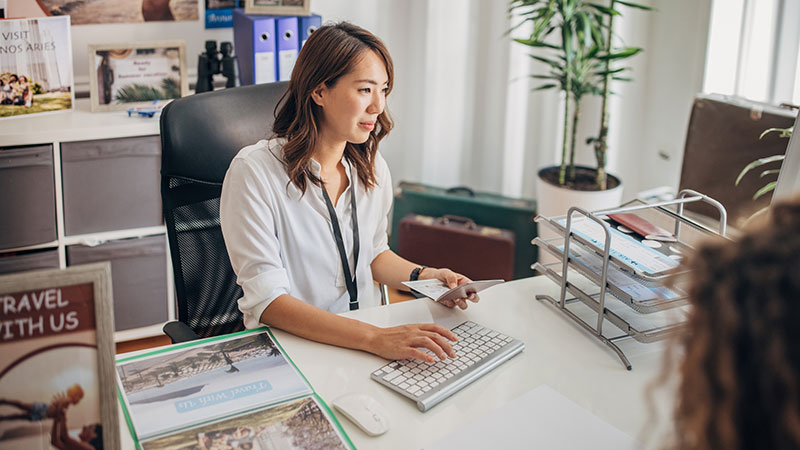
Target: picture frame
(125, 75)
(278, 7)
(57, 357)
(36, 67)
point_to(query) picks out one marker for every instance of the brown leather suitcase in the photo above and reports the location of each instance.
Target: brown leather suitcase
(479, 252)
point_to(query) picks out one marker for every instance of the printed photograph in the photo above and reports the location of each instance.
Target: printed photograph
(108, 11)
(278, 7)
(35, 66)
(295, 425)
(140, 73)
(49, 382)
(185, 387)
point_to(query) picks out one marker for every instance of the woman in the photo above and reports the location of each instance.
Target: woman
(740, 384)
(304, 214)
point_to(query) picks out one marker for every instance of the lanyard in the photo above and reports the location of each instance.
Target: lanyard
(352, 288)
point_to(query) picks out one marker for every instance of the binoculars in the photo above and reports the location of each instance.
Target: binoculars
(214, 61)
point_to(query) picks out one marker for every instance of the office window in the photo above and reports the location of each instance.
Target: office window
(754, 50)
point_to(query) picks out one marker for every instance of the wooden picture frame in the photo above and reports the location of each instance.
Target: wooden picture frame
(278, 7)
(55, 324)
(125, 75)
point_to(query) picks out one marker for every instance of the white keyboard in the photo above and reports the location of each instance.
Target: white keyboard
(478, 350)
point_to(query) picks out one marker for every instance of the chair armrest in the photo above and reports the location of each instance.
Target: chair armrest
(179, 332)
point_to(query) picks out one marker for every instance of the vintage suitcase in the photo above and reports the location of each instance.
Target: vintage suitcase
(485, 209)
(723, 137)
(480, 253)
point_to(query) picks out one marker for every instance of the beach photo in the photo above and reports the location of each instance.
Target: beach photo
(85, 12)
(35, 66)
(180, 388)
(294, 425)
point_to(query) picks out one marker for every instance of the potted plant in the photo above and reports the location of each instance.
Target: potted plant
(574, 39)
(770, 186)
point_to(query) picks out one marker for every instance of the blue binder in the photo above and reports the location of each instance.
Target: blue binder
(288, 38)
(255, 43)
(308, 25)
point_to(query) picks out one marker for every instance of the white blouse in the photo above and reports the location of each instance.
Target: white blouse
(282, 242)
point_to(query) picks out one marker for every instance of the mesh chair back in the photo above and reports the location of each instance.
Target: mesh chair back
(200, 135)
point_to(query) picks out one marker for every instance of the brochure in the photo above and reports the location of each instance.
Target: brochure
(438, 291)
(639, 257)
(234, 391)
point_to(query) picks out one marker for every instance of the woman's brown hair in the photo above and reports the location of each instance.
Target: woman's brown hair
(739, 387)
(330, 52)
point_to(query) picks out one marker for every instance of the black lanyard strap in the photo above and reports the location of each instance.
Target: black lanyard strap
(350, 282)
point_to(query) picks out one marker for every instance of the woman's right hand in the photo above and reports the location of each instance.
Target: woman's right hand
(407, 341)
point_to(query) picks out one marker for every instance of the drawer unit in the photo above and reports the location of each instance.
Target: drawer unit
(27, 196)
(138, 275)
(33, 260)
(111, 184)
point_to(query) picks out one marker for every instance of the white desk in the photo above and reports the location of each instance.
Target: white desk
(558, 353)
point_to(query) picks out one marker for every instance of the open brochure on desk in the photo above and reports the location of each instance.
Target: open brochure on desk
(234, 391)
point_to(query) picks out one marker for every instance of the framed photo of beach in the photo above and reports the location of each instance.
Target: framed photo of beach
(278, 7)
(35, 66)
(57, 380)
(125, 75)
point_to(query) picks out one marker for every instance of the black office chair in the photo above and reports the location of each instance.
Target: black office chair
(200, 135)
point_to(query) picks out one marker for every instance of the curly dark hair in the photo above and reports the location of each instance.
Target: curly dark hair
(739, 387)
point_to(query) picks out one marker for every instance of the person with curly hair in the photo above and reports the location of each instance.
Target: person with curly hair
(740, 387)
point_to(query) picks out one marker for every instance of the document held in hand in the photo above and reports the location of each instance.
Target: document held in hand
(438, 291)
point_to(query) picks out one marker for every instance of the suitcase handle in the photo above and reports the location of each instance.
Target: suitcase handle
(447, 218)
(461, 189)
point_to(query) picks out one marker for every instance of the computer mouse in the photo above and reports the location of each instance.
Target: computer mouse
(364, 411)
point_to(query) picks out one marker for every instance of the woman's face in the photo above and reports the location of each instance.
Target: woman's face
(351, 107)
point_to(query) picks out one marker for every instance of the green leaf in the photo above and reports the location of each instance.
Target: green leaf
(769, 172)
(545, 86)
(769, 187)
(604, 9)
(757, 163)
(533, 43)
(784, 132)
(554, 64)
(635, 5)
(755, 215)
(622, 79)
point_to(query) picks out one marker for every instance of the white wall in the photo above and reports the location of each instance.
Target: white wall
(462, 105)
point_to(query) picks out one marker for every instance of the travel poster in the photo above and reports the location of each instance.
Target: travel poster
(35, 66)
(49, 385)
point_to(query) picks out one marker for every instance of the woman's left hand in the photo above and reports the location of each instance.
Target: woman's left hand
(451, 279)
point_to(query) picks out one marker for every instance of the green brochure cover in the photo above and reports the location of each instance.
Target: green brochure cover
(235, 391)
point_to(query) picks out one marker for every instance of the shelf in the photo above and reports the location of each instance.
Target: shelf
(77, 124)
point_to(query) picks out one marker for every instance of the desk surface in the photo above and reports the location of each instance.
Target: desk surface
(558, 353)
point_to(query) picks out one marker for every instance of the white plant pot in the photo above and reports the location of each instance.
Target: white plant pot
(553, 200)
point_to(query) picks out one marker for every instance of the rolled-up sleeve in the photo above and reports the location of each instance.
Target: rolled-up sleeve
(248, 227)
(380, 240)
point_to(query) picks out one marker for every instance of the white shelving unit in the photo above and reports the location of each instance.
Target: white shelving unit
(77, 125)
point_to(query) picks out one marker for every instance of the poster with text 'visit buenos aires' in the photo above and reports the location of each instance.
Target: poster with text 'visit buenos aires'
(169, 391)
(35, 66)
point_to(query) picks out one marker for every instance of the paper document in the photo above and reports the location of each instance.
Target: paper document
(541, 418)
(439, 291)
(640, 258)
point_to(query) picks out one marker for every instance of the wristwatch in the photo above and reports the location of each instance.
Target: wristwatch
(415, 273)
